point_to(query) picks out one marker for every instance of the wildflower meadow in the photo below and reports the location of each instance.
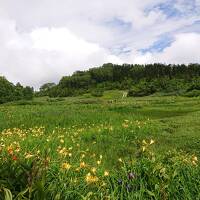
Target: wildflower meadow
(97, 148)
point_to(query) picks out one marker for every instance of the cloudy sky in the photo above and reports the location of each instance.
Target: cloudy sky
(43, 40)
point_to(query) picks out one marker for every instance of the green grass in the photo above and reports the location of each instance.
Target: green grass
(45, 133)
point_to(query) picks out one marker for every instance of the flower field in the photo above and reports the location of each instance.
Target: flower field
(95, 148)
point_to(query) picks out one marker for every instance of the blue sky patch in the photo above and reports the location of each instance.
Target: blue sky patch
(158, 46)
(119, 24)
(171, 9)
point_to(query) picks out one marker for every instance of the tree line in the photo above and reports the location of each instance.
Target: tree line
(138, 80)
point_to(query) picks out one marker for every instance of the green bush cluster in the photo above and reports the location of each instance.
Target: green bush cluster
(166, 86)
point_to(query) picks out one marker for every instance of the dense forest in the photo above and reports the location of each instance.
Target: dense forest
(138, 80)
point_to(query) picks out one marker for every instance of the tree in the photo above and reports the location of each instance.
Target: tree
(28, 93)
(18, 91)
(6, 90)
(47, 86)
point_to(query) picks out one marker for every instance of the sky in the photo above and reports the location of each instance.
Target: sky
(43, 40)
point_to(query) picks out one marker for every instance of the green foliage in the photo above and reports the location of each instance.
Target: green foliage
(192, 93)
(10, 92)
(45, 89)
(142, 89)
(195, 85)
(164, 85)
(6, 90)
(47, 86)
(28, 93)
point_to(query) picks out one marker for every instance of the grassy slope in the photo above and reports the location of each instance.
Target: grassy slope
(112, 129)
(174, 120)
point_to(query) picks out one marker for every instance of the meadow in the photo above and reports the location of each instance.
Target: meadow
(100, 148)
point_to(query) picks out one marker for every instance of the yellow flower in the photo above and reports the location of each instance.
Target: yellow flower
(83, 156)
(144, 142)
(38, 152)
(17, 149)
(93, 155)
(98, 162)
(70, 154)
(152, 142)
(28, 155)
(62, 141)
(143, 148)
(91, 179)
(101, 156)
(195, 158)
(10, 150)
(93, 170)
(194, 163)
(82, 165)
(103, 184)
(120, 160)
(111, 128)
(125, 125)
(75, 180)
(66, 166)
(106, 173)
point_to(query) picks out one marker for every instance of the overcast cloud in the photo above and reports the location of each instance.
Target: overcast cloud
(43, 40)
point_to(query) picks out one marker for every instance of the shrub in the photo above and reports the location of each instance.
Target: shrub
(195, 85)
(192, 93)
(142, 89)
(97, 93)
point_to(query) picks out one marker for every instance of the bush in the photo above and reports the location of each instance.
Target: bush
(142, 89)
(195, 85)
(192, 93)
(97, 93)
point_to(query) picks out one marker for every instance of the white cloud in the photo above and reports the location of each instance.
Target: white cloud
(61, 40)
(42, 41)
(184, 49)
(198, 2)
(47, 54)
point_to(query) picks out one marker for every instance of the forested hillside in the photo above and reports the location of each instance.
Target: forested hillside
(140, 80)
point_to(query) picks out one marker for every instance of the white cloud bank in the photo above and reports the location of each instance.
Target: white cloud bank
(46, 54)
